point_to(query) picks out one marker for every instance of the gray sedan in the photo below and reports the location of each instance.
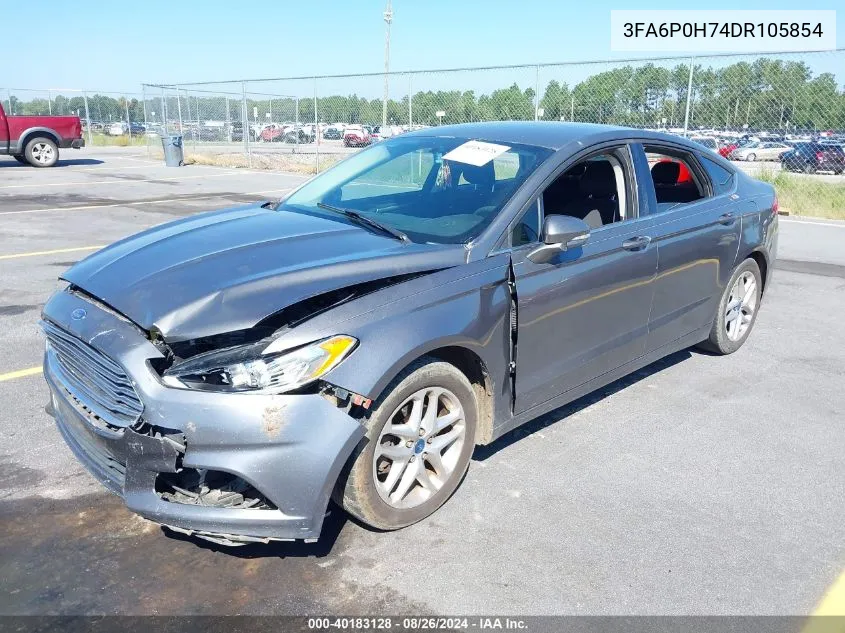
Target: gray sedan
(229, 373)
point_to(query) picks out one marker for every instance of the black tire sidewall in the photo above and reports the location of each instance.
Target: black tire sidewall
(360, 488)
(719, 336)
(31, 144)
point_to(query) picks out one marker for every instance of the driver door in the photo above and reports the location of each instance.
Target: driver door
(585, 312)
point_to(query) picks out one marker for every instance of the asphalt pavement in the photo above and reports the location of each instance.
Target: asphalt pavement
(698, 485)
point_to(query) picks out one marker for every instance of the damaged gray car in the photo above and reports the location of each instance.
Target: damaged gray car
(231, 372)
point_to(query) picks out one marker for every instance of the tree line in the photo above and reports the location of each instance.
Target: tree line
(765, 94)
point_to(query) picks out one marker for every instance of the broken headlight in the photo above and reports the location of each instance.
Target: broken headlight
(259, 368)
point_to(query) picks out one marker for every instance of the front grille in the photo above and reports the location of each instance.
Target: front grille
(97, 381)
(94, 454)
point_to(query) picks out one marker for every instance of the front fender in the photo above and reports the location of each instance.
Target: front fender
(470, 312)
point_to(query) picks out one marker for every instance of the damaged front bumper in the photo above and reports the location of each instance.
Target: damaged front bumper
(232, 468)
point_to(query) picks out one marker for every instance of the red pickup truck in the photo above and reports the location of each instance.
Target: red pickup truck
(36, 139)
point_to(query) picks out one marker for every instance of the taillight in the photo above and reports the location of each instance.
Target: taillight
(775, 205)
(819, 156)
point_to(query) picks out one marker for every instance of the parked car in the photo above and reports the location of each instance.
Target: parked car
(762, 150)
(726, 149)
(36, 139)
(333, 134)
(356, 136)
(813, 157)
(272, 133)
(137, 128)
(299, 134)
(118, 128)
(709, 142)
(226, 373)
(382, 132)
(205, 133)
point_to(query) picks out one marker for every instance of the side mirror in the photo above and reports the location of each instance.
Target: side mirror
(560, 233)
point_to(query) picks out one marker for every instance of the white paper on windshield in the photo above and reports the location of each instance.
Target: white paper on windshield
(476, 153)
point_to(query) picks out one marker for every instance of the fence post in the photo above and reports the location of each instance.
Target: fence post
(537, 93)
(245, 114)
(50, 102)
(144, 101)
(164, 112)
(410, 100)
(9, 96)
(295, 127)
(87, 118)
(179, 108)
(317, 139)
(228, 121)
(128, 122)
(571, 108)
(689, 94)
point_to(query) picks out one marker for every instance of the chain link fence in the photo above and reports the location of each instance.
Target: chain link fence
(727, 102)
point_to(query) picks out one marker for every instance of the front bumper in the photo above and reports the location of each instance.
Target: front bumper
(290, 448)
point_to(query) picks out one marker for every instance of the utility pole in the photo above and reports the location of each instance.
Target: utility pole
(388, 18)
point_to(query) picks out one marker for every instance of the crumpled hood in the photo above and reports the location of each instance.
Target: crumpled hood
(227, 270)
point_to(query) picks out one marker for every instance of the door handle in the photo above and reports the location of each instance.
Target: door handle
(727, 218)
(636, 243)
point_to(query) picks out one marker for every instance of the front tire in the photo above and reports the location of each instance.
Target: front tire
(21, 159)
(737, 311)
(41, 152)
(420, 438)
(751, 158)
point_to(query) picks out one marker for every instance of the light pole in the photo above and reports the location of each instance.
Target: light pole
(388, 18)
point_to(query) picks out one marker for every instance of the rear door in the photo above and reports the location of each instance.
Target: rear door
(696, 230)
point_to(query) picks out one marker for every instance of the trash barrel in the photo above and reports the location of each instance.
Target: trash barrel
(173, 154)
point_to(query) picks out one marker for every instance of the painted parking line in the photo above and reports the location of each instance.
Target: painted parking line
(53, 252)
(838, 225)
(112, 182)
(21, 373)
(833, 602)
(210, 196)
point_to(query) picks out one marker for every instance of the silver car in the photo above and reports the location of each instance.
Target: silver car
(230, 372)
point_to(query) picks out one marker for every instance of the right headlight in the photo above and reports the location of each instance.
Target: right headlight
(251, 368)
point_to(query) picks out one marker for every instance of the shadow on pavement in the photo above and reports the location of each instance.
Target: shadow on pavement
(484, 452)
(62, 162)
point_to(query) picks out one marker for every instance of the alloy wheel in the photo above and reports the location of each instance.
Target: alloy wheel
(419, 447)
(742, 303)
(43, 153)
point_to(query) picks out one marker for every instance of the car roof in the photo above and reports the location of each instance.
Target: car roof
(549, 134)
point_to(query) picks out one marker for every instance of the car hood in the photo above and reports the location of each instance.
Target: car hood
(227, 270)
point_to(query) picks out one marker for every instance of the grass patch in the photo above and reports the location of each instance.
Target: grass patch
(807, 195)
(296, 163)
(102, 140)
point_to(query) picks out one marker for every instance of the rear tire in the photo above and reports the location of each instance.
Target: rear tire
(41, 152)
(751, 157)
(737, 310)
(21, 159)
(432, 467)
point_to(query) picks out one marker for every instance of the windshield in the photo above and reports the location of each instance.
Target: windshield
(442, 190)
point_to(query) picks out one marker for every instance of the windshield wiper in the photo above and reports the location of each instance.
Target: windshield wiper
(362, 219)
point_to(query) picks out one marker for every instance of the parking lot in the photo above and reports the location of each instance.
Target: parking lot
(699, 485)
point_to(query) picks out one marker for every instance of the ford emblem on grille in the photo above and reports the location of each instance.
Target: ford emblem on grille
(78, 314)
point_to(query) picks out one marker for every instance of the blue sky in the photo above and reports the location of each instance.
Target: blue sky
(111, 46)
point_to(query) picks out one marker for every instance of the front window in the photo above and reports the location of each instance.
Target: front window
(442, 190)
